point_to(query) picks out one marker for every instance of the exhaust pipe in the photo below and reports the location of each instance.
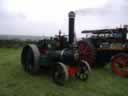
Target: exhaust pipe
(71, 27)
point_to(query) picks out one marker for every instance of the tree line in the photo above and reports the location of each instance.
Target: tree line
(15, 43)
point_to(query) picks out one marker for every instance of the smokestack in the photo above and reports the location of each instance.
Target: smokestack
(71, 26)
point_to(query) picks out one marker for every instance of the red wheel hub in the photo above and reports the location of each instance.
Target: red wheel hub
(72, 71)
(120, 65)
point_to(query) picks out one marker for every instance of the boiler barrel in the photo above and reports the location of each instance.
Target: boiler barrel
(66, 56)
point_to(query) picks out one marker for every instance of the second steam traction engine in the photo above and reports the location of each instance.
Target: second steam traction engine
(111, 46)
(64, 56)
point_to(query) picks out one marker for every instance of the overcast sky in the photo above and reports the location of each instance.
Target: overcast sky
(46, 17)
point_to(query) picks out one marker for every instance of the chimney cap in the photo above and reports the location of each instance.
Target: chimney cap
(71, 14)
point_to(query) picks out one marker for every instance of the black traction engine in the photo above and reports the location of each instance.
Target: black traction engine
(64, 56)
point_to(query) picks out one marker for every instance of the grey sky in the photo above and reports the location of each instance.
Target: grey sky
(46, 17)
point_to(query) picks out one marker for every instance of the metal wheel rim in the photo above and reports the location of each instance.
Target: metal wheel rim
(120, 65)
(60, 74)
(29, 58)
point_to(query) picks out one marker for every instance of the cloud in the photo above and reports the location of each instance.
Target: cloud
(112, 6)
(112, 14)
(9, 21)
(40, 17)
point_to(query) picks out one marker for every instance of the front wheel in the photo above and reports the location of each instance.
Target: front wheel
(60, 73)
(84, 70)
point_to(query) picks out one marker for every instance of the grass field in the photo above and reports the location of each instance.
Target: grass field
(15, 82)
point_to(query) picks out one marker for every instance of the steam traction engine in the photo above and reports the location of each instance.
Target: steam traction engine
(64, 56)
(110, 45)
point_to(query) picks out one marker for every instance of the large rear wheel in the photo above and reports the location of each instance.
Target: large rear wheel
(29, 58)
(87, 51)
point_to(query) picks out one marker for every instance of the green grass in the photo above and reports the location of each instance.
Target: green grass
(15, 82)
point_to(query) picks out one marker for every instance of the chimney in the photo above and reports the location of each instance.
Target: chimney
(71, 26)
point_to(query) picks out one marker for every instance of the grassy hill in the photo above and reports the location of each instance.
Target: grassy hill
(15, 82)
